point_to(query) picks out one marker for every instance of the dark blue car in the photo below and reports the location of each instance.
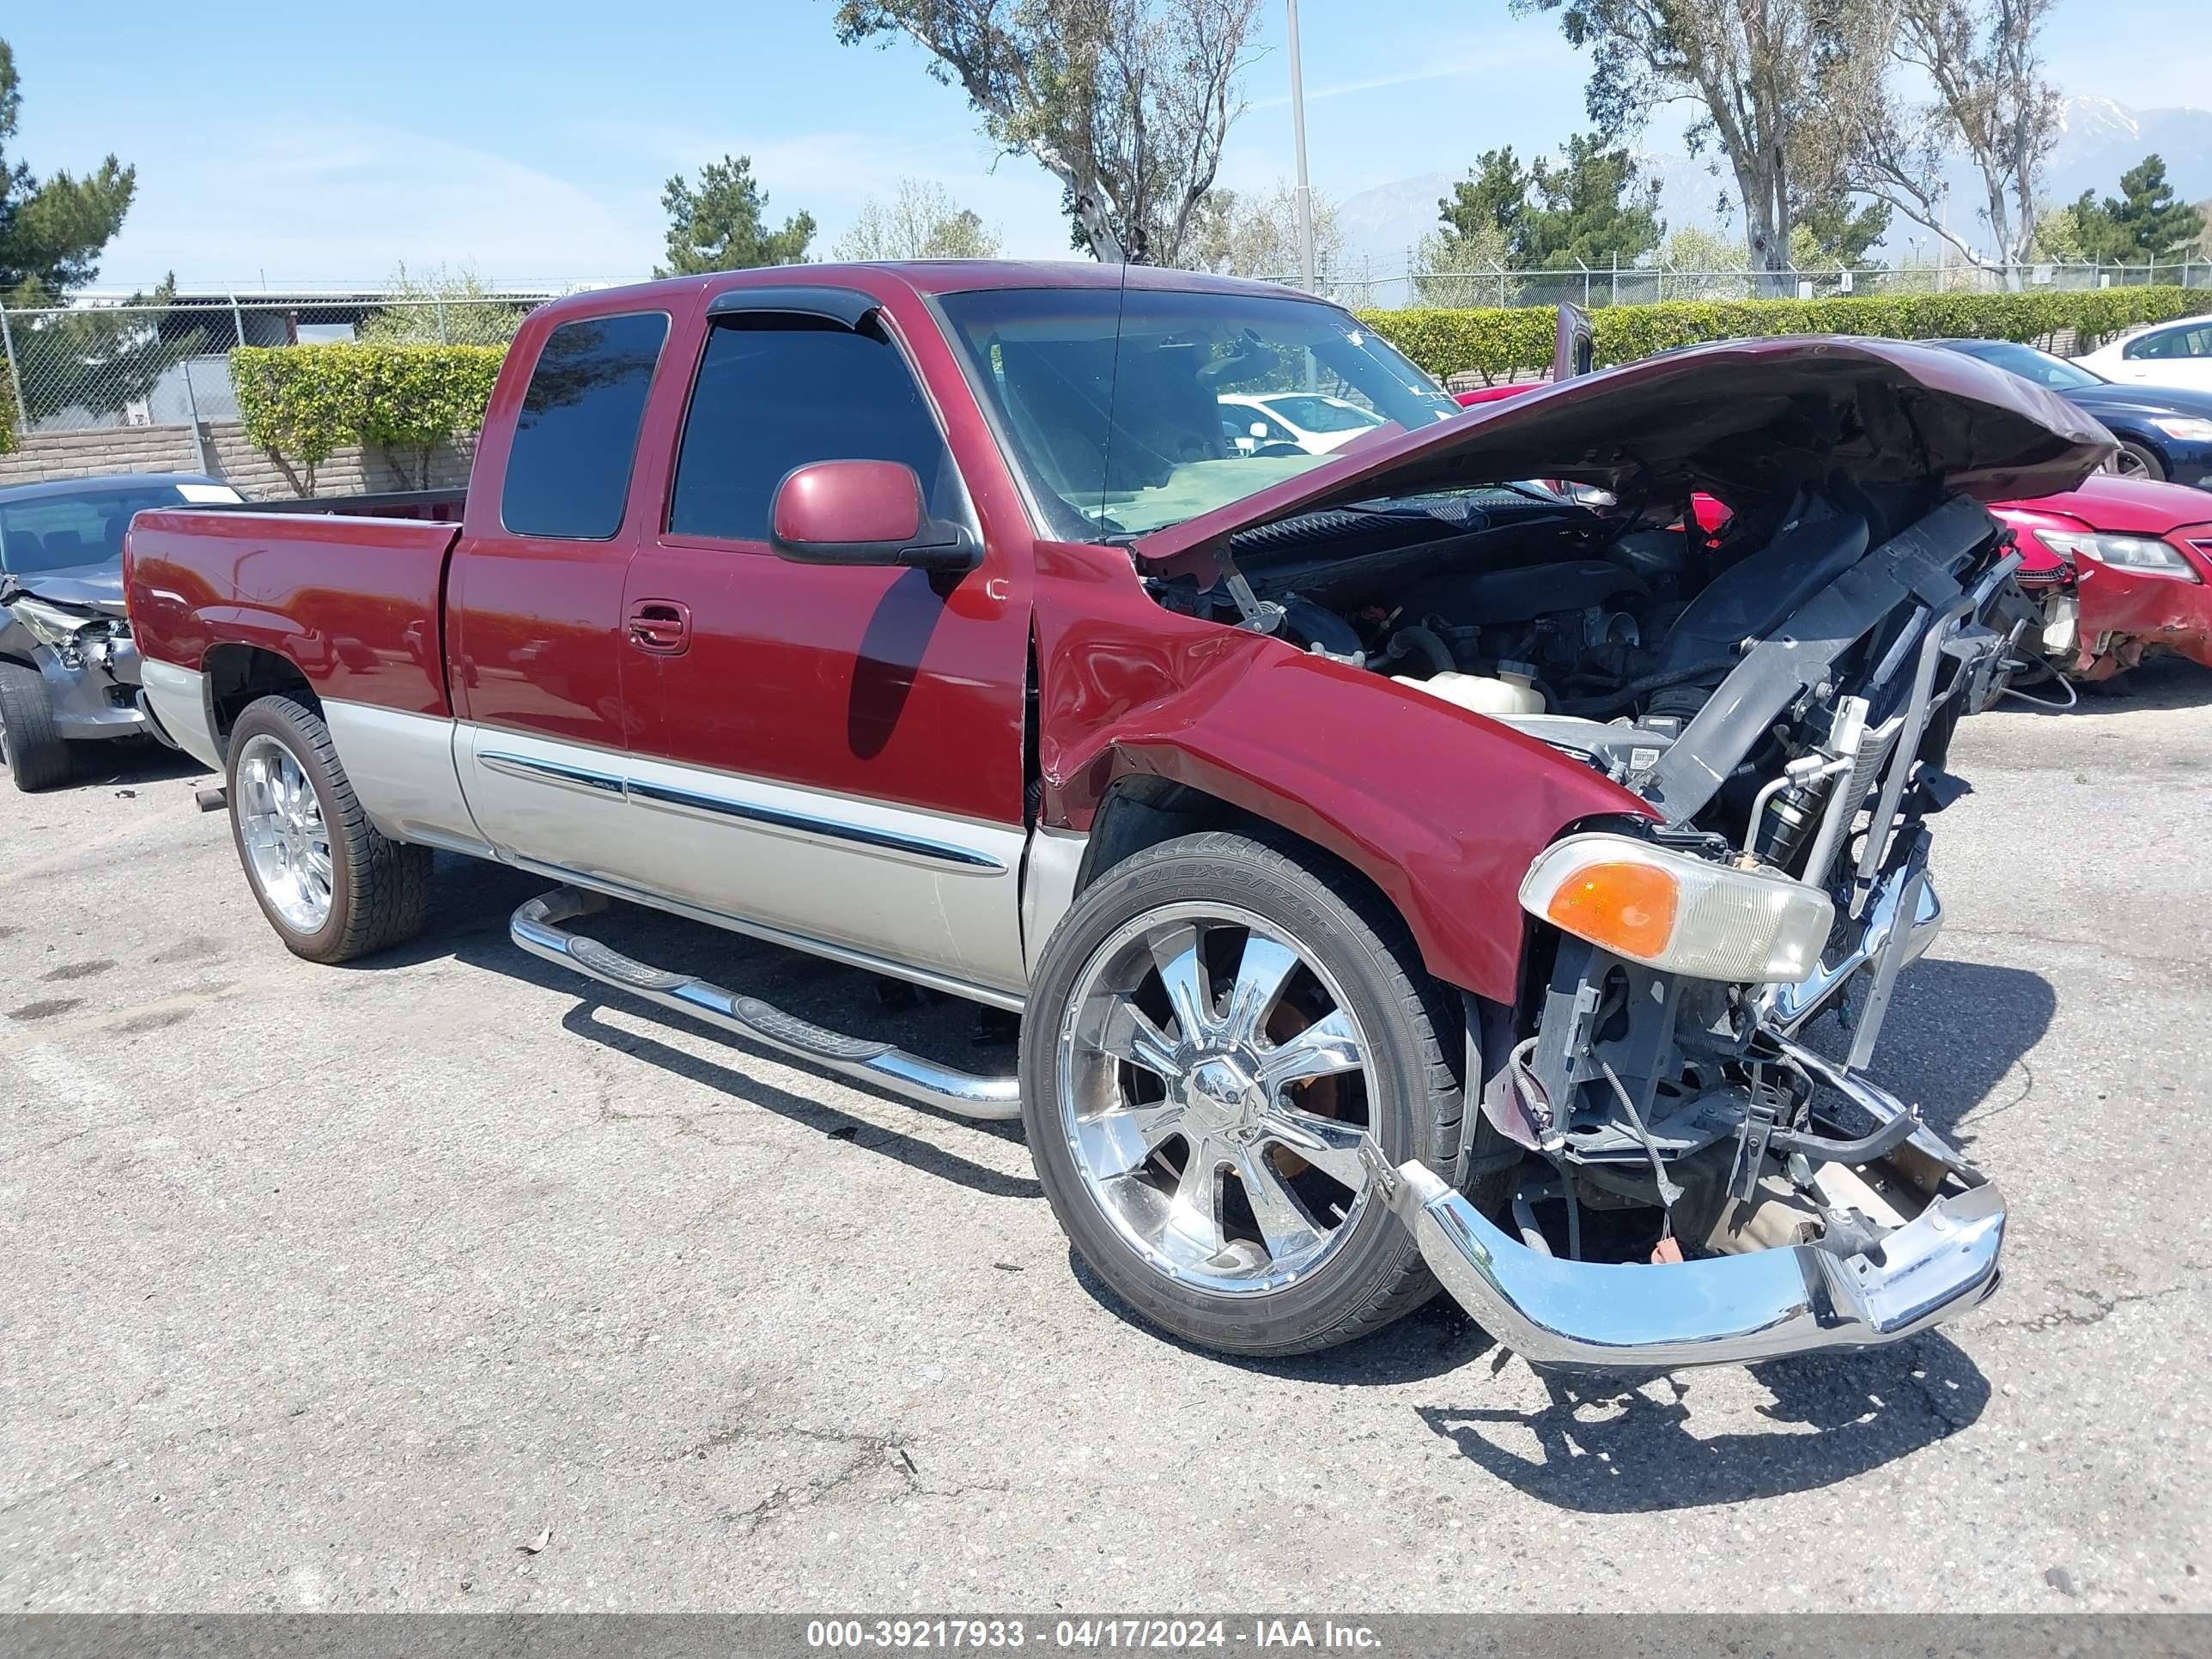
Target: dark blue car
(2165, 432)
(69, 670)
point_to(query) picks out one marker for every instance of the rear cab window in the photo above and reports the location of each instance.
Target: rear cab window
(569, 465)
(777, 391)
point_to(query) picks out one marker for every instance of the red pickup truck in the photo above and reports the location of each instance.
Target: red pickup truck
(1403, 872)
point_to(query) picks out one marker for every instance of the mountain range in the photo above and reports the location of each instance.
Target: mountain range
(2099, 140)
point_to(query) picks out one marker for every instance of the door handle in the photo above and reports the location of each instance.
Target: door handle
(662, 627)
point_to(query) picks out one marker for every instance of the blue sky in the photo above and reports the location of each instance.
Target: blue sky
(305, 144)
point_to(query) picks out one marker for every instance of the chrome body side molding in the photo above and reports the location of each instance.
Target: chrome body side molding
(537, 928)
(532, 766)
(807, 823)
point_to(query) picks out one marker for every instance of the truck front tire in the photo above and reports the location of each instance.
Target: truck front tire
(330, 884)
(36, 754)
(1220, 1201)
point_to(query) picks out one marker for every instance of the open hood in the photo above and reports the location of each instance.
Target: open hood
(1747, 420)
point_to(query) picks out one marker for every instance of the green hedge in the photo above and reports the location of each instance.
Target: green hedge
(8, 441)
(304, 403)
(1497, 343)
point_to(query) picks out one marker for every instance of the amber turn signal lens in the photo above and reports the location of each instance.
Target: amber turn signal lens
(1626, 908)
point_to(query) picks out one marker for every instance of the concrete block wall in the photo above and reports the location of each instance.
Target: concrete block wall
(49, 455)
(229, 456)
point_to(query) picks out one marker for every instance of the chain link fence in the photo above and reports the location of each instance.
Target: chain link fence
(98, 364)
(92, 364)
(1588, 288)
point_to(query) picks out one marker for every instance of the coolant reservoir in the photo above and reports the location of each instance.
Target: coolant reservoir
(1511, 691)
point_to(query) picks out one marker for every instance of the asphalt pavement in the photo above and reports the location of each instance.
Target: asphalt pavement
(449, 1281)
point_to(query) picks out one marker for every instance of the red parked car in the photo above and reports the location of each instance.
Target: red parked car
(2123, 568)
(1401, 873)
(2120, 566)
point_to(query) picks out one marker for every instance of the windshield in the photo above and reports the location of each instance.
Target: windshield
(1110, 401)
(2030, 364)
(54, 532)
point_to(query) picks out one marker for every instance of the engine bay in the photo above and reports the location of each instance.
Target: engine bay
(1599, 628)
(1781, 685)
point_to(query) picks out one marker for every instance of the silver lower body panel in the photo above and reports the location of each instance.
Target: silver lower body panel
(177, 698)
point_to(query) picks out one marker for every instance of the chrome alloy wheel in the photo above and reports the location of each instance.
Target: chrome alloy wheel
(1213, 1088)
(288, 847)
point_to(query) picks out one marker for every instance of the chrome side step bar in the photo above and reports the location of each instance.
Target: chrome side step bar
(536, 927)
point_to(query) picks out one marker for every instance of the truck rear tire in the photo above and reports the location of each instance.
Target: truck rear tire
(1222, 1202)
(330, 884)
(37, 756)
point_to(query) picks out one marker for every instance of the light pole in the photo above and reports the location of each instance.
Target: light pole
(1298, 141)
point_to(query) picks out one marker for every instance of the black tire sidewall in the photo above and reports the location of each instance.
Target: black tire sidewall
(2153, 470)
(38, 757)
(302, 731)
(1371, 1268)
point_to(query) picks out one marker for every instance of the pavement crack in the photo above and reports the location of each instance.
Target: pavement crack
(1983, 1113)
(2101, 1307)
(866, 1454)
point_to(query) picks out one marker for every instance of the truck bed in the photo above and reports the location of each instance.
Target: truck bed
(431, 506)
(375, 587)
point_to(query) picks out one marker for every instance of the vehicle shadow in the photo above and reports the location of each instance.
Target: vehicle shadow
(1611, 1445)
(1956, 1041)
(1435, 1337)
(2162, 683)
(126, 762)
(471, 902)
(1608, 1447)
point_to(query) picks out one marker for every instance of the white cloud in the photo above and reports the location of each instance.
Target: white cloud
(345, 201)
(1482, 61)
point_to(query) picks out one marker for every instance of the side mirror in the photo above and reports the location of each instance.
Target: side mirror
(864, 512)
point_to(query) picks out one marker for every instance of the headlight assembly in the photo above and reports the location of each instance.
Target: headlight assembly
(2186, 427)
(1680, 912)
(69, 633)
(2146, 555)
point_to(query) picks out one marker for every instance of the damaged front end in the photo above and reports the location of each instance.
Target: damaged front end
(1797, 1205)
(1665, 1173)
(77, 635)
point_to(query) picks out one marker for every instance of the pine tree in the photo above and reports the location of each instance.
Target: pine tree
(718, 224)
(2145, 223)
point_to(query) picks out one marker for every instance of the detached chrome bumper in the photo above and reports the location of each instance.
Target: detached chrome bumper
(1730, 1309)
